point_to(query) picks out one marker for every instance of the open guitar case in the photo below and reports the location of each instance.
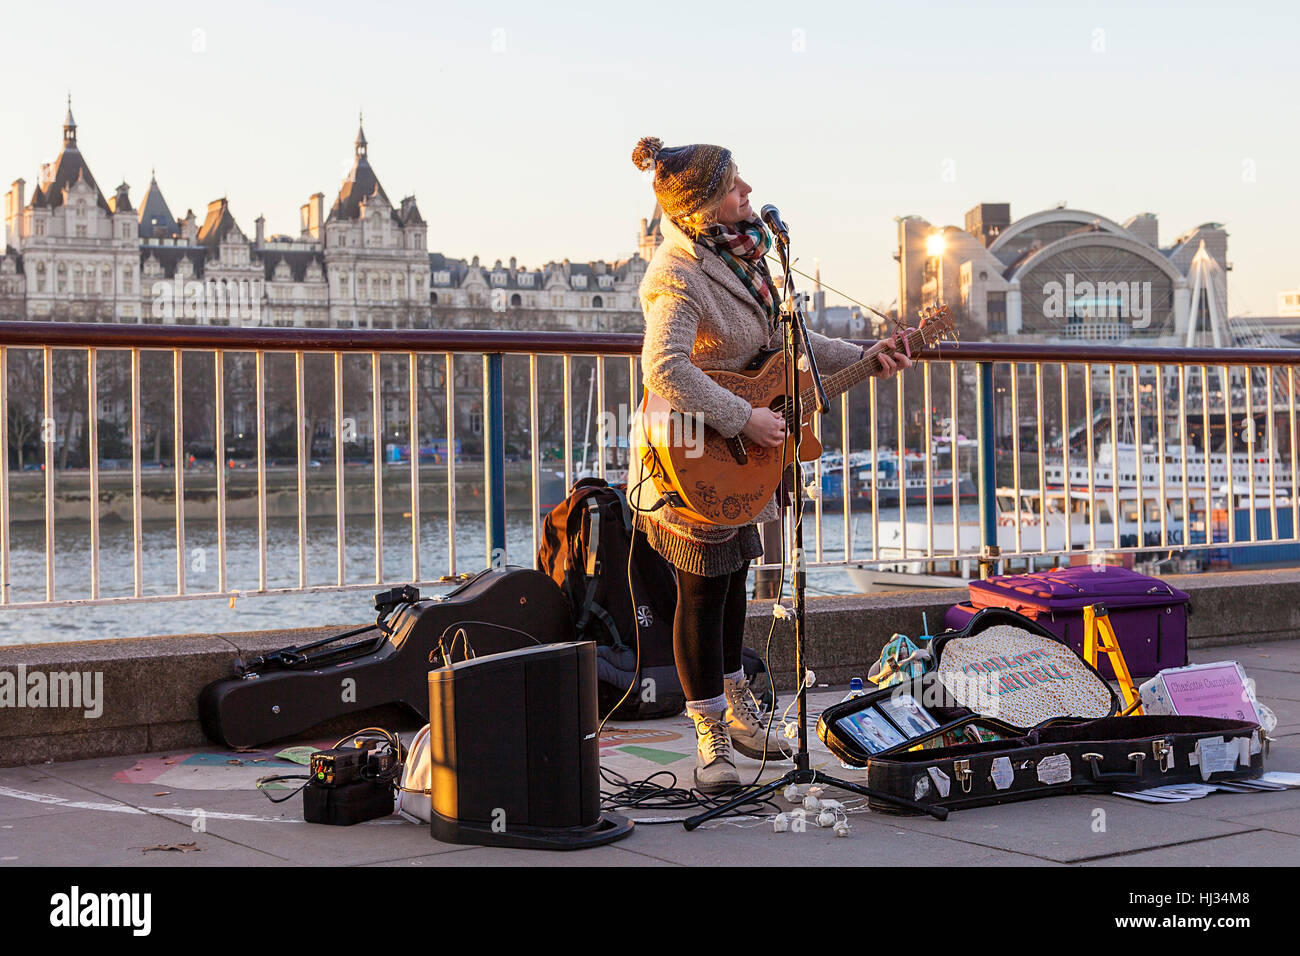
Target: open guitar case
(969, 760)
(294, 688)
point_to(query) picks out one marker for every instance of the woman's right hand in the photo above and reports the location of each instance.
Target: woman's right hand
(765, 427)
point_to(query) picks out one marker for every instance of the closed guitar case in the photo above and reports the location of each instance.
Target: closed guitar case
(1098, 756)
(497, 610)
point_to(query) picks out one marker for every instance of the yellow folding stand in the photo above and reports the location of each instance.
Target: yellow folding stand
(1099, 638)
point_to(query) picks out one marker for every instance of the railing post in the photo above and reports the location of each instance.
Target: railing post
(494, 454)
(988, 483)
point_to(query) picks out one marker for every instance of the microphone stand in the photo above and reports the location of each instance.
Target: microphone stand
(794, 326)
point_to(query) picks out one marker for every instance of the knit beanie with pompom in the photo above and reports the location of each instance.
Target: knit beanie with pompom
(686, 177)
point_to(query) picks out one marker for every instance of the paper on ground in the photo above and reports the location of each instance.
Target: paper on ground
(1282, 777)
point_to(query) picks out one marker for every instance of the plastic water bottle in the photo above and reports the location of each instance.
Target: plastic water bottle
(856, 689)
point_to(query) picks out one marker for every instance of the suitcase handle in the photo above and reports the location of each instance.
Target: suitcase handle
(1116, 776)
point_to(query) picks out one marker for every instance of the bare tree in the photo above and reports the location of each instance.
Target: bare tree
(26, 400)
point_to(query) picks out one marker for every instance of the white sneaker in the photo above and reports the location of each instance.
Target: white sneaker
(715, 767)
(749, 724)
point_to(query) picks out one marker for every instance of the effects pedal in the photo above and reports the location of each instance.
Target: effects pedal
(350, 785)
(334, 768)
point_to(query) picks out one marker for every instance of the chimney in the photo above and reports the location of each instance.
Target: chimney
(261, 231)
(512, 264)
(310, 216)
(14, 205)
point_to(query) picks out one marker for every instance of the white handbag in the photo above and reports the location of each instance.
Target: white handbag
(413, 796)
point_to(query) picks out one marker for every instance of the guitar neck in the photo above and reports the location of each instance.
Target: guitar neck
(859, 371)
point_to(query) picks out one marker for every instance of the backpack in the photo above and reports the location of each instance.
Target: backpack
(584, 548)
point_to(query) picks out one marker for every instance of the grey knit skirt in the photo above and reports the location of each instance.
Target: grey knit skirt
(706, 560)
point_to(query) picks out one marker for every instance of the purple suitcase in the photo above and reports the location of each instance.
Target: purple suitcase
(1149, 616)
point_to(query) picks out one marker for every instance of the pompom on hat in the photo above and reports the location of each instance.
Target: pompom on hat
(686, 177)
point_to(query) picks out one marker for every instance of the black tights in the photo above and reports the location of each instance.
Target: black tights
(708, 630)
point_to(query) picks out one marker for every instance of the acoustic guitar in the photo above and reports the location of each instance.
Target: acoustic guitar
(710, 478)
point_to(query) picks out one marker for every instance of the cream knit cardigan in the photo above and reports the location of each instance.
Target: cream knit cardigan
(699, 315)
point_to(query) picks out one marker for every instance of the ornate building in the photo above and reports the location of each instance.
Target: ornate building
(72, 255)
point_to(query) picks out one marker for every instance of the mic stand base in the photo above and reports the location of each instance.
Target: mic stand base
(805, 775)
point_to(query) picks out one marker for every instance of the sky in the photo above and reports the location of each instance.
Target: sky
(513, 123)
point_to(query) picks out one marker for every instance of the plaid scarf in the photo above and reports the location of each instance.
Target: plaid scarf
(742, 247)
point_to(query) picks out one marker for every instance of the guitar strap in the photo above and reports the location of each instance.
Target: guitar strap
(626, 509)
(591, 568)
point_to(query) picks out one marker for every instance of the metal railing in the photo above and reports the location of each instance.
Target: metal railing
(1036, 412)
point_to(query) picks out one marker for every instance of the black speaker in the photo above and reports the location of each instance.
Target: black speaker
(514, 756)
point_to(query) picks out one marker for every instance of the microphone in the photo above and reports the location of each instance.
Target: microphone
(771, 217)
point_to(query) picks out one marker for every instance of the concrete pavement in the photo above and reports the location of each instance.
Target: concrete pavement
(109, 811)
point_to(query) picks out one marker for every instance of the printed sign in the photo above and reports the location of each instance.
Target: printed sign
(1215, 691)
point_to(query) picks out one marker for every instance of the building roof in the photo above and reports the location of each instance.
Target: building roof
(156, 219)
(170, 257)
(361, 184)
(121, 201)
(298, 262)
(622, 267)
(69, 169)
(457, 267)
(217, 225)
(409, 215)
(513, 277)
(1034, 249)
(652, 225)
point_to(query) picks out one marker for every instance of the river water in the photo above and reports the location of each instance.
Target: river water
(343, 608)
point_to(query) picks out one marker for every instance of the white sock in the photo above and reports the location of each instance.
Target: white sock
(711, 706)
(735, 678)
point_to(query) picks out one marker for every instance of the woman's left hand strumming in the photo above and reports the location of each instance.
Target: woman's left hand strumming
(890, 361)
